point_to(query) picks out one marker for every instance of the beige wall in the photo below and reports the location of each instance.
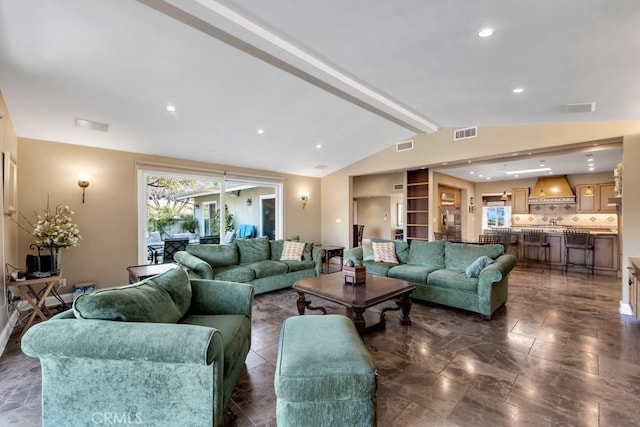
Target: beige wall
(630, 233)
(9, 229)
(108, 219)
(432, 150)
(374, 213)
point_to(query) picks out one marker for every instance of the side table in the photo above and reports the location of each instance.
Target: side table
(330, 252)
(141, 272)
(36, 300)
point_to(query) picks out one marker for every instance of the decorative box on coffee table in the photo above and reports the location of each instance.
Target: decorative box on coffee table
(354, 275)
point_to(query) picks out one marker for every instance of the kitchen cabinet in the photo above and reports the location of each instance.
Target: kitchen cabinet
(599, 201)
(606, 191)
(606, 252)
(519, 200)
(418, 204)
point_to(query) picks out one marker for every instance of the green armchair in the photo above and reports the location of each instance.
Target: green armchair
(118, 355)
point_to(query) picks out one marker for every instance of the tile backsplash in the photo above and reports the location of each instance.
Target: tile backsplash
(566, 219)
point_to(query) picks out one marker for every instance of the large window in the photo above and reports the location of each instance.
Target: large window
(177, 202)
(496, 216)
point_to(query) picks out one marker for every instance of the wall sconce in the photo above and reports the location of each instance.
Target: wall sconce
(83, 182)
(249, 201)
(305, 199)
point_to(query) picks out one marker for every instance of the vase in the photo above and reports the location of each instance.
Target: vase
(56, 253)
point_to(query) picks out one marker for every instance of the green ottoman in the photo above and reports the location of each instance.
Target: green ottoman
(324, 374)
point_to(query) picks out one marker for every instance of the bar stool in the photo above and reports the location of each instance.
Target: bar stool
(578, 240)
(488, 239)
(506, 238)
(535, 239)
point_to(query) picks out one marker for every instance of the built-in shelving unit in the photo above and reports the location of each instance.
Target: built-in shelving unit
(418, 204)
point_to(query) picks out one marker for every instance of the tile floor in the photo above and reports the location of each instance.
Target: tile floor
(559, 354)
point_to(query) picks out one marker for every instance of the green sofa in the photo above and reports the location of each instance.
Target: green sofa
(164, 351)
(255, 261)
(438, 271)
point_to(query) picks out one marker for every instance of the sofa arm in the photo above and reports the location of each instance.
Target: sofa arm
(109, 340)
(200, 268)
(500, 268)
(354, 254)
(220, 297)
(317, 253)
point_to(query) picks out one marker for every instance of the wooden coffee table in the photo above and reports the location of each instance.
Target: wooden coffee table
(357, 298)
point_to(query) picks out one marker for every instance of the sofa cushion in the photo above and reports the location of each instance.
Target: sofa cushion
(235, 273)
(232, 327)
(384, 252)
(292, 251)
(267, 268)
(307, 254)
(452, 279)
(428, 254)
(411, 273)
(377, 268)
(161, 299)
(459, 256)
(275, 247)
(299, 265)
(476, 266)
(251, 250)
(402, 248)
(216, 255)
(367, 251)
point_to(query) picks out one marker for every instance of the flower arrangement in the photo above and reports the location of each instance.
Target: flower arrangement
(55, 228)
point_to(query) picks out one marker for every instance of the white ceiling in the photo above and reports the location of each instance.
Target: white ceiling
(353, 76)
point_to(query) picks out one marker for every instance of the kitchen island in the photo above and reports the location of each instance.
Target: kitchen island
(606, 249)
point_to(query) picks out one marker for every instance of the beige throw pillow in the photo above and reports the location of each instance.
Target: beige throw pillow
(384, 252)
(292, 251)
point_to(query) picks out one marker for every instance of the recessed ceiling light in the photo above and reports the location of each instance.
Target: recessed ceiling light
(260, 131)
(486, 32)
(514, 154)
(318, 145)
(592, 169)
(518, 90)
(471, 172)
(516, 175)
(171, 108)
(488, 178)
(589, 159)
(480, 175)
(550, 172)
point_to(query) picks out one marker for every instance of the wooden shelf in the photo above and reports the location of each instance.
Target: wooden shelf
(417, 210)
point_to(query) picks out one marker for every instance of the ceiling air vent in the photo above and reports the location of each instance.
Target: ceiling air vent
(90, 124)
(404, 146)
(321, 166)
(584, 107)
(398, 187)
(465, 133)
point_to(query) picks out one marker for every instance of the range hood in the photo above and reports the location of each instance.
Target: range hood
(552, 189)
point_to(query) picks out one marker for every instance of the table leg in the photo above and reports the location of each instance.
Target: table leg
(303, 303)
(406, 308)
(37, 305)
(358, 320)
(405, 305)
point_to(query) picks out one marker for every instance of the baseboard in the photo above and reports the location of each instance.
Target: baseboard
(49, 302)
(7, 330)
(625, 308)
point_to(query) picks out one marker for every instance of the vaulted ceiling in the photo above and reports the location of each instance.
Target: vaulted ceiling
(328, 82)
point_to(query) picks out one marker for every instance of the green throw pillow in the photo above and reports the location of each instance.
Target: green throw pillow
(161, 299)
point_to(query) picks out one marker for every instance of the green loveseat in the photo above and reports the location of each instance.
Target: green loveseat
(164, 351)
(438, 271)
(255, 261)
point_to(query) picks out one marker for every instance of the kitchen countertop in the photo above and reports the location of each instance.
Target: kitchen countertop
(559, 230)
